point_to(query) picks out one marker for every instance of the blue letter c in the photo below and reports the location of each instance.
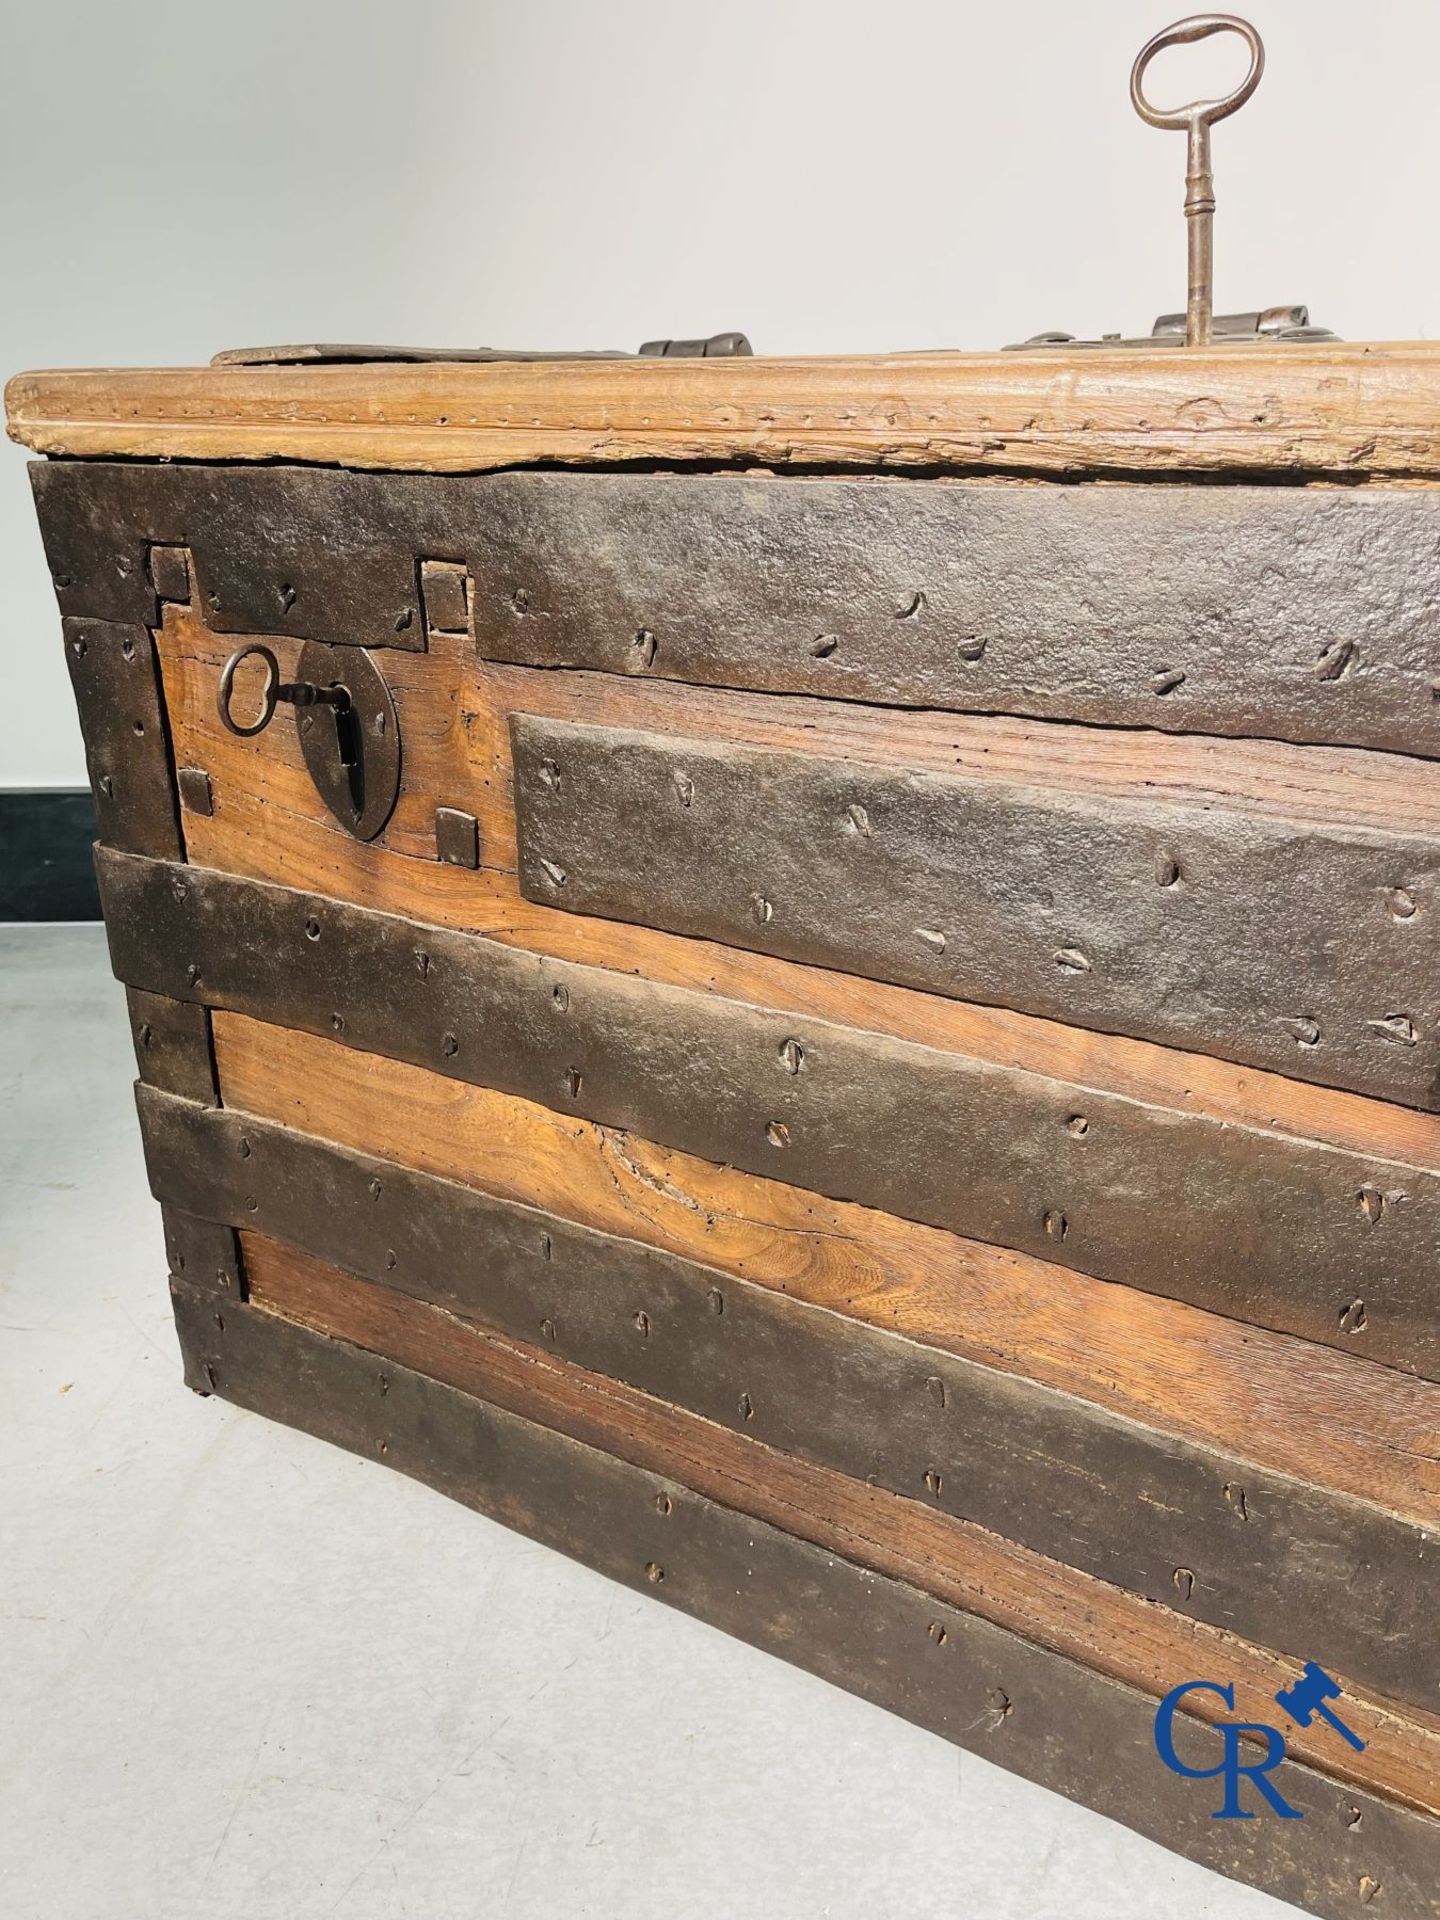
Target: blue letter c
(1165, 1727)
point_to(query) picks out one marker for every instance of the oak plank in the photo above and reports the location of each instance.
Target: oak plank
(1332, 1419)
(1066, 1726)
(1334, 1247)
(1321, 408)
(1069, 1611)
(1224, 1540)
(269, 824)
(1336, 786)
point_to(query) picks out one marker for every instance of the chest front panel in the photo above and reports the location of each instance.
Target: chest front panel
(899, 1012)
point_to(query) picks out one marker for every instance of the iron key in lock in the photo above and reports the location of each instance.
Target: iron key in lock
(298, 693)
(353, 756)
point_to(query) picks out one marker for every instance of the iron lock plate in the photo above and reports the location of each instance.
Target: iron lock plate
(348, 729)
(353, 754)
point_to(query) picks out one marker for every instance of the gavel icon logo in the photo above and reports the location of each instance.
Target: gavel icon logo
(1307, 1697)
(1241, 1740)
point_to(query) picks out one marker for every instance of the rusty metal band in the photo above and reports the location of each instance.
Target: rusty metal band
(116, 679)
(173, 1046)
(1033, 1711)
(1290, 944)
(1285, 1233)
(204, 1253)
(175, 1056)
(1283, 612)
(1066, 1478)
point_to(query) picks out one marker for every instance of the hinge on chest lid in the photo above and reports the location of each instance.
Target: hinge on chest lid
(1269, 323)
(719, 346)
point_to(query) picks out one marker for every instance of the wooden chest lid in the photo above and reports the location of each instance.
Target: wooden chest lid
(1323, 408)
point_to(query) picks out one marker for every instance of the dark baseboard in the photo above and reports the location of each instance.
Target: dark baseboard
(46, 868)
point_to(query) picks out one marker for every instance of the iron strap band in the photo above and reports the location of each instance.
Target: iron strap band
(1287, 613)
(1301, 946)
(986, 1689)
(972, 1147)
(1064, 1477)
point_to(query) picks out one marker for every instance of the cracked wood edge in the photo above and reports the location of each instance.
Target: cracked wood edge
(1349, 409)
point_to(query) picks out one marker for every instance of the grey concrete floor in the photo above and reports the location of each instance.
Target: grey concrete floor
(243, 1674)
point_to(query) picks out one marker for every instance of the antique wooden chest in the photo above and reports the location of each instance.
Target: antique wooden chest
(822, 992)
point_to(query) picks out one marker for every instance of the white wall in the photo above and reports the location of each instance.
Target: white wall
(830, 175)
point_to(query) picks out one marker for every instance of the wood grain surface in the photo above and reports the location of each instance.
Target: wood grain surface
(984, 1687)
(1288, 1234)
(1322, 408)
(1328, 1418)
(268, 823)
(959, 1562)
(1262, 1553)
